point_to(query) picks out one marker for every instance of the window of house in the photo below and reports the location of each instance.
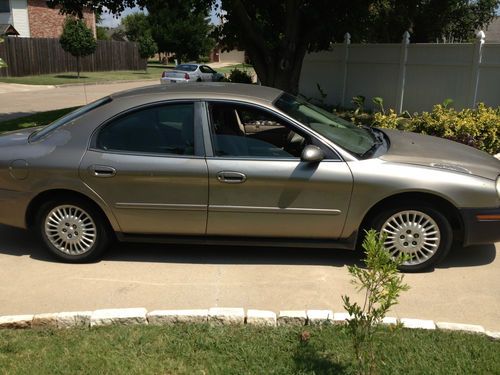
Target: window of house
(167, 129)
(4, 6)
(245, 131)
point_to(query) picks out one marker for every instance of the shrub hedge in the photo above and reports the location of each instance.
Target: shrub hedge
(477, 127)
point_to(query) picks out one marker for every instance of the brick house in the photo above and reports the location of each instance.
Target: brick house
(33, 18)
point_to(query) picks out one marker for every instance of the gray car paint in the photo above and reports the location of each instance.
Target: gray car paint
(279, 199)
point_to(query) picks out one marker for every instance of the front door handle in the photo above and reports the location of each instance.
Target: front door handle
(102, 171)
(231, 177)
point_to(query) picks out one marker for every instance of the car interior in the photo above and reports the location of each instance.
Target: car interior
(240, 130)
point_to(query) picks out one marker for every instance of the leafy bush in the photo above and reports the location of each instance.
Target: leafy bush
(382, 284)
(477, 127)
(239, 76)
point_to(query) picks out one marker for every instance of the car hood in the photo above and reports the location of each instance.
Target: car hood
(413, 148)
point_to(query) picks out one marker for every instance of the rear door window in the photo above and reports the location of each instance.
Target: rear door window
(166, 129)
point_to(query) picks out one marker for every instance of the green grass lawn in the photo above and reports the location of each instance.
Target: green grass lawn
(86, 77)
(42, 118)
(154, 72)
(202, 349)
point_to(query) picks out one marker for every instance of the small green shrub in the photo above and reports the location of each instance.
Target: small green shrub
(477, 127)
(239, 76)
(381, 284)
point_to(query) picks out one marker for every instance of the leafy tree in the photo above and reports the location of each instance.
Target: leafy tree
(147, 47)
(181, 27)
(277, 34)
(3, 64)
(136, 25)
(78, 40)
(101, 33)
(427, 20)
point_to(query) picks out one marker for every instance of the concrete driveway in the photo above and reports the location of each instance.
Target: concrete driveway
(465, 289)
(21, 100)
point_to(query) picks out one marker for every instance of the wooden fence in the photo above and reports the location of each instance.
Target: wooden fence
(32, 56)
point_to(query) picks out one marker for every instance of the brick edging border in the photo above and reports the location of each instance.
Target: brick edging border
(217, 316)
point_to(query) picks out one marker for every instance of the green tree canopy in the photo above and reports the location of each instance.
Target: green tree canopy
(181, 27)
(77, 39)
(147, 46)
(136, 25)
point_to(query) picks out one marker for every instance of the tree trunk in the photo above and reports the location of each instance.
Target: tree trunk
(78, 66)
(280, 66)
(279, 69)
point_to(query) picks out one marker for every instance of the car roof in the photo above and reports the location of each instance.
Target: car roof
(205, 90)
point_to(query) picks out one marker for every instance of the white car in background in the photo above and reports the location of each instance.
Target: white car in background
(190, 73)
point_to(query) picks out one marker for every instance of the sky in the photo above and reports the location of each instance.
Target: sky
(108, 20)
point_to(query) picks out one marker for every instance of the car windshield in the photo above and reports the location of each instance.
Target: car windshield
(186, 67)
(343, 133)
(39, 134)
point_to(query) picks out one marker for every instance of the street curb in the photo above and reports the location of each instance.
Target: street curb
(217, 316)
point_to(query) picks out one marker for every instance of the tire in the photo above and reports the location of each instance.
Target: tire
(73, 230)
(418, 230)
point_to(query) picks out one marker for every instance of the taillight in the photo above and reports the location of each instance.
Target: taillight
(164, 74)
(186, 76)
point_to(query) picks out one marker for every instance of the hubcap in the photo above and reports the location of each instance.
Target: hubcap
(70, 229)
(414, 233)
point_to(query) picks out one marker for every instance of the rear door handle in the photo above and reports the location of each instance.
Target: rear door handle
(231, 177)
(102, 171)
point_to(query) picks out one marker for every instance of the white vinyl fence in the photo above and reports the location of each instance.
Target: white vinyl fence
(409, 77)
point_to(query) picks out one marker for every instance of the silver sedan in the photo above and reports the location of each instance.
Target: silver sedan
(184, 73)
(241, 164)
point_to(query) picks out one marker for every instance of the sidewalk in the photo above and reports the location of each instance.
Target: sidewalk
(21, 100)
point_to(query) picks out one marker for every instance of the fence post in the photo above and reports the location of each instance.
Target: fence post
(476, 66)
(347, 41)
(400, 94)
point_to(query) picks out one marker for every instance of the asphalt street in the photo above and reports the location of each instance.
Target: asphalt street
(21, 100)
(464, 289)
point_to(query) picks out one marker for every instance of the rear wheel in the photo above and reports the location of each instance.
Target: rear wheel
(421, 232)
(73, 230)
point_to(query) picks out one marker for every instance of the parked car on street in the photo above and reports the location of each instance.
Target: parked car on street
(190, 73)
(223, 163)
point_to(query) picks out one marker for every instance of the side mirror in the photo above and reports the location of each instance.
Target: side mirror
(312, 154)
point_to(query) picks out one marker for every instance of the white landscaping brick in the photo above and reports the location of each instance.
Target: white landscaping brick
(497, 156)
(159, 317)
(390, 320)
(315, 317)
(44, 320)
(493, 335)
(460, 327)
(292, 317)
(261, 318)
(16, 321)
(418, 323)
(118, 316)
(226, 315)
(341, 318)
(68, 319)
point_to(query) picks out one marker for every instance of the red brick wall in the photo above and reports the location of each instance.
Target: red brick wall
(48, 23)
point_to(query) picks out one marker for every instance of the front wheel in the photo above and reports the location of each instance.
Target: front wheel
(422, 233)
(73, 230)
